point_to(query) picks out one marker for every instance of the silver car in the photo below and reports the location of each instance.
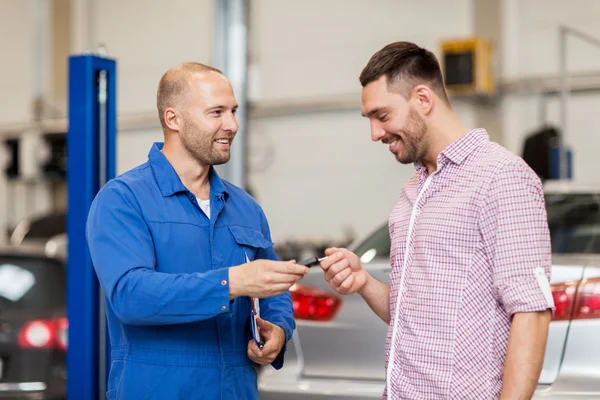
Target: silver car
(337, 351)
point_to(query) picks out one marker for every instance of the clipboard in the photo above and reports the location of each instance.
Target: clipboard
(254, 314)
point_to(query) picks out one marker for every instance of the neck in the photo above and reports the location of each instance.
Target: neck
(193, 174)
(443, 131)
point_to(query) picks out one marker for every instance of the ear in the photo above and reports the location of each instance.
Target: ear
(173, 119)
(423, 99)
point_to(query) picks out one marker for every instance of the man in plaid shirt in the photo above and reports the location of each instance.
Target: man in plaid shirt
(469, 300)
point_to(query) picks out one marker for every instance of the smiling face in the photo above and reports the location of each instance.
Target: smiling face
(209, 124)
(395, 121)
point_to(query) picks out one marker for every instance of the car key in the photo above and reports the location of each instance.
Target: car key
(311, 262)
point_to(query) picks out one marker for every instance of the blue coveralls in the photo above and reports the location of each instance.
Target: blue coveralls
(163, 266)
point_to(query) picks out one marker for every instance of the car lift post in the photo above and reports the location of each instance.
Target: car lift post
(91, 151)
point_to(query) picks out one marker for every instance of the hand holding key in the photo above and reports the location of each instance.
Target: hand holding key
(343, 271)
(264, 278)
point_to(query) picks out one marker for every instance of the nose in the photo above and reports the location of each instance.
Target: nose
(377, 132)
(230, 123)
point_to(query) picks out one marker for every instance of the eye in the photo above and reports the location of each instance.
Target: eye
(383, 118)
(216, 113)
(234, 111)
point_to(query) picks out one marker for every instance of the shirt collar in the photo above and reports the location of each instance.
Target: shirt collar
(458, 151)
(169, 182)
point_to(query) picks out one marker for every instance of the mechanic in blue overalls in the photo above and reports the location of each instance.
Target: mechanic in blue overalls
(180, 253)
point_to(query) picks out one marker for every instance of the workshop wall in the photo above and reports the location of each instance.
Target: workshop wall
(149, 37)
(16, 79)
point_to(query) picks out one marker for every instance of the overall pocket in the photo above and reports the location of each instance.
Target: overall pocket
(250, 241)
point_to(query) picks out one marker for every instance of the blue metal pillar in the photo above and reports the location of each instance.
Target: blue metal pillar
(91, 150)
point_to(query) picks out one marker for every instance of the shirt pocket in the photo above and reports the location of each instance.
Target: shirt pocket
(250, 241)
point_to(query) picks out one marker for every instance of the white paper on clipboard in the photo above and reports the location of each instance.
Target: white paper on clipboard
(255, 313)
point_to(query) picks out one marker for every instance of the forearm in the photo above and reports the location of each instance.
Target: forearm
(377, 296)
(146, 297)
(525, 354)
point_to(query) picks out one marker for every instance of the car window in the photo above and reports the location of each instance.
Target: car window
(375, 247)
(574, 222)
(31, 283)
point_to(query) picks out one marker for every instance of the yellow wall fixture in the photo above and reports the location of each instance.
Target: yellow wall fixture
(467, 65)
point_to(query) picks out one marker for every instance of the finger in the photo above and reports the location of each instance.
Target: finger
(254, 349)
(283, 287)
(290, 279)
(254, 352)
(290, 268)
(347, 284)
(340, 277)
(331, 250)
(337, 268)
(331, 259)
(269, 351)
(264, 360)
(274, 289)
(271, 346)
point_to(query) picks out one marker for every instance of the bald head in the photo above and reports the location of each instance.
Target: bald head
(174, 85)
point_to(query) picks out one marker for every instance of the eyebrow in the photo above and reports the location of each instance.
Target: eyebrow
(222, 107)
(374, 111)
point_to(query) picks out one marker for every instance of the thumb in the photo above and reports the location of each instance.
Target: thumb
(265, 327)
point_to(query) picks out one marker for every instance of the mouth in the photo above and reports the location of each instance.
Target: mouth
(393, 142)
(223, 143)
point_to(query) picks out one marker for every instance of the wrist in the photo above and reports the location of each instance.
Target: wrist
(282, 338)
(281, 334)
(368, 279)
(235, 287)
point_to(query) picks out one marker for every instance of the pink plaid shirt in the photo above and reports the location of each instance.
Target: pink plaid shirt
(470, 246)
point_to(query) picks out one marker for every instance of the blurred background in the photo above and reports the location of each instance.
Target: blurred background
(526, 70)
(311, 163)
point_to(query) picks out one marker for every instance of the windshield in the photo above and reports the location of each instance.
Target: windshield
(574, 222)
(31, 283)
(375, 247)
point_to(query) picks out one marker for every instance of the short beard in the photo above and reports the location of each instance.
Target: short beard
(413, 143)
(199, 144)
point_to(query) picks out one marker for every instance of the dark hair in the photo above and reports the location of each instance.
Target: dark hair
(407, 64)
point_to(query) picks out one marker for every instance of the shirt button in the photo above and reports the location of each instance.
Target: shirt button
(223, 282)
(224, 308)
